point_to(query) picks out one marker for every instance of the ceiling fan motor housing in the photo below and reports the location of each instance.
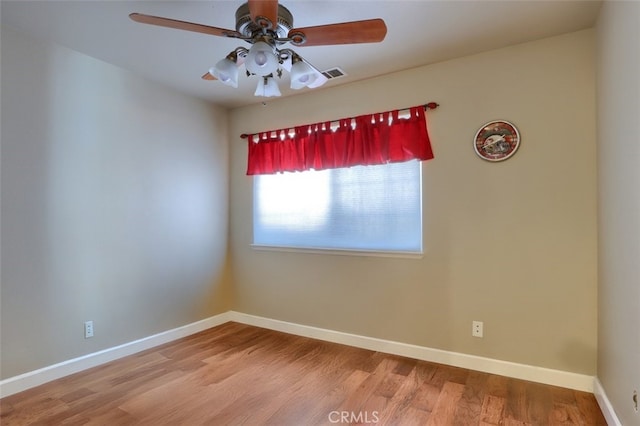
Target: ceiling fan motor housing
(248, 28)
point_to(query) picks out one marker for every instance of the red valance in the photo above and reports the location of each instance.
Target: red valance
(365, 140)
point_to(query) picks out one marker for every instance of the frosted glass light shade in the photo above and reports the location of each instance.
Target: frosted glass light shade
(261, 60)
(267, 87)
(302, 75)
(226, 71)
(319, 81)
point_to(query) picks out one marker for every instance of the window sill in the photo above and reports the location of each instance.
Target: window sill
(340, 252)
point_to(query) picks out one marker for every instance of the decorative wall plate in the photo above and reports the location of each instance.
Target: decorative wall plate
(496, 141)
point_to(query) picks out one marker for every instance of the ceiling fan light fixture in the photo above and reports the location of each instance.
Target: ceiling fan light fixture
(226, 70)
(302, 75)
(267, 87)
(261, 60)
(319, 81)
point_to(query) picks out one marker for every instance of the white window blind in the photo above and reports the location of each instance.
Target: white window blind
(362, 208)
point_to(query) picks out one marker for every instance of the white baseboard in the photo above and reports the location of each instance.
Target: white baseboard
(605, 405)
(548, 376)
(35, 378)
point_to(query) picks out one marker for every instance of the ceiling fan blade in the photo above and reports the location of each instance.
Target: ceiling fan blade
(367, 31)
(208, 76)
(183, 25)
(262, 11)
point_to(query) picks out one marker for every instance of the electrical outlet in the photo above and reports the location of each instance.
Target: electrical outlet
(477, 328)
(88, 329)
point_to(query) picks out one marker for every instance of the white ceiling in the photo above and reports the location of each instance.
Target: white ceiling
(419, 33)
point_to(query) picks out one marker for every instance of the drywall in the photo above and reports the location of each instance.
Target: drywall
(114, 206)
(512, 244)
(618, 93)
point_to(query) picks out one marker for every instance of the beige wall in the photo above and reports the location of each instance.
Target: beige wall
(114, 206)
(512, 244)
(618, 92)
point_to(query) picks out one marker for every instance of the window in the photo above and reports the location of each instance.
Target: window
(361, 208)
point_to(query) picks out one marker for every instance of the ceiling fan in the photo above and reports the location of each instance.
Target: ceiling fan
(267, 26)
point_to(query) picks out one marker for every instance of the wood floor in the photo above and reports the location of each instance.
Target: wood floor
(236, 374)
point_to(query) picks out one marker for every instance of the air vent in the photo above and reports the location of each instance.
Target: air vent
(334, 73)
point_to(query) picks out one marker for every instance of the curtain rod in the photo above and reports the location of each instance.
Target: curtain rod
(430, 105)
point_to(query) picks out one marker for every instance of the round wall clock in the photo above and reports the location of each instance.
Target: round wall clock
(496, 141)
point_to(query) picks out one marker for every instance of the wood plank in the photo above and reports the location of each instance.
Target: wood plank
(565, 414)
(538, 402)
(426, 397)
(470, 405)
(399, 408)
(588, 406)
(445, 409)
(492, 411)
